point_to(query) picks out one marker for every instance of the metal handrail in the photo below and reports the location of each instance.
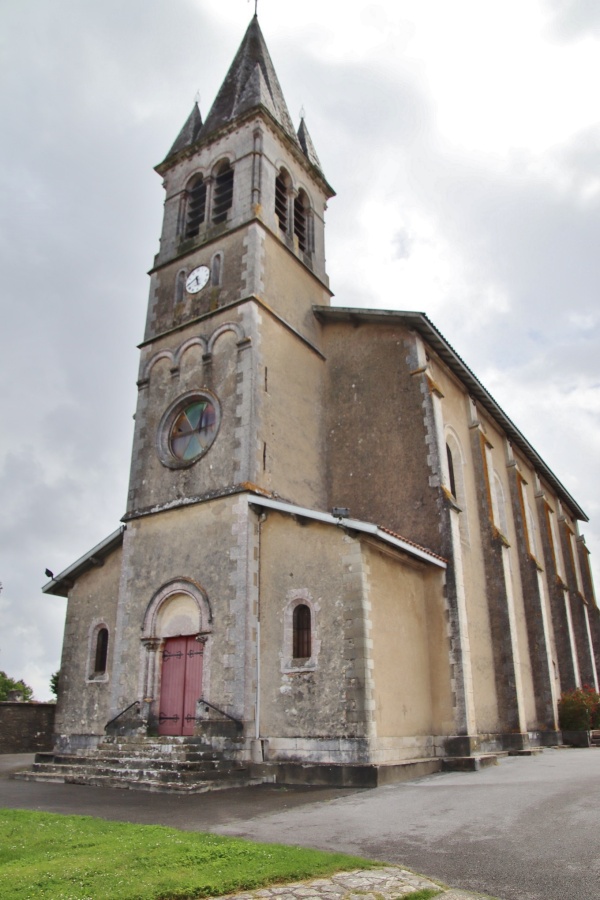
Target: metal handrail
(222, 711)
(122, 713)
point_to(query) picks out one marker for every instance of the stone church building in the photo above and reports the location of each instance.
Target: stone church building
(339, 554)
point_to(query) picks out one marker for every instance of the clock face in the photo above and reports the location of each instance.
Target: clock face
(196, 280)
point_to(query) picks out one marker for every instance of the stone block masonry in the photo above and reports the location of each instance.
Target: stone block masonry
(26, 727)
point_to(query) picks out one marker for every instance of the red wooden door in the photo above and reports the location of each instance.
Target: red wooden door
(181, 685)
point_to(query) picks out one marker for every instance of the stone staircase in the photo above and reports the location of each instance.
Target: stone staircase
(160, 764)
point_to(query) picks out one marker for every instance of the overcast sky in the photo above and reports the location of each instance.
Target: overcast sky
(463, 142)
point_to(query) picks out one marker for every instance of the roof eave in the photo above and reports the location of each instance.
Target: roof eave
(61, 584)
(414, 550)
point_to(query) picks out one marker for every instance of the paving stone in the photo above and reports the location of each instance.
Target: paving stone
(388, 883)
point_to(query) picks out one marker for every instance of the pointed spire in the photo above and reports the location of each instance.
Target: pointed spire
(307, 145)
(189, 133)
(250, 82)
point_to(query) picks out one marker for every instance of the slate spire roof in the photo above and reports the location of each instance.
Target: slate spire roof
(307, 145)
(190, 132)
(251, 82)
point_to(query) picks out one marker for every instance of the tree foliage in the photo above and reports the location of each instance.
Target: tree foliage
(10, 684)
(579, 710)
(54, 683)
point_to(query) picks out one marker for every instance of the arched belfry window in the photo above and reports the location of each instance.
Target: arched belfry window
(282, 184)
(302, 632)
(223, 193)
(196, 206)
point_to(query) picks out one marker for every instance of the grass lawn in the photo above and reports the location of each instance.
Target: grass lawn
(79, 857)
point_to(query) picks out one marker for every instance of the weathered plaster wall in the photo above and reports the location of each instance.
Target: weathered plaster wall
(458, 433)
(211, 546)
(179, 363)
(411, 671)
(83, 705)
(290, 438)
(289, 288)
(165, 311)
(377, 435)
(324, 698)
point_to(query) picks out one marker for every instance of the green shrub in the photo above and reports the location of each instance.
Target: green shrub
(579, 710)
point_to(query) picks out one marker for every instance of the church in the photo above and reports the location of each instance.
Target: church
(340, 561)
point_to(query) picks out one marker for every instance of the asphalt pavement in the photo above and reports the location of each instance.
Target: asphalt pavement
(527, 829)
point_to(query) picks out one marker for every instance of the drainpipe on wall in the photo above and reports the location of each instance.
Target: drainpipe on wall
(257, 745)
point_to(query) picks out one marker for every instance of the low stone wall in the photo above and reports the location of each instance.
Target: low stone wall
(26, 727)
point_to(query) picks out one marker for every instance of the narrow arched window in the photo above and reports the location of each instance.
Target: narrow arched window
(223, 197)
(179, 287)
(451, 474)
(281, 200)
(101, 651)
(302, 638)
(215, 269)
(300, 219)
(196, 206)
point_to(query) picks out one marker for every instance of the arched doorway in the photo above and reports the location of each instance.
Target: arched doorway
(176, 629)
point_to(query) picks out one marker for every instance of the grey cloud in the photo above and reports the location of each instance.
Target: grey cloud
(573, 19)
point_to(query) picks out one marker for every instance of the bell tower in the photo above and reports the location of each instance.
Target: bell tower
(245, 165)
(229, 365)
(231, 385)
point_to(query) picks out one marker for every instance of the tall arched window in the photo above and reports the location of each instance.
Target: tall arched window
(101, 651)
(456, 480)
(282, 183)
(302, 632)
(499, 504)
(300, 220)
(196, 206)
(451, 474)
(223, 196)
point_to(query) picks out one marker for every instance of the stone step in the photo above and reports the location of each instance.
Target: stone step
(529, 751)
(140, 772)
(103, 752)
(131, 762)
(158, 739)
(94, 780)
(469, 763)
(152, 747)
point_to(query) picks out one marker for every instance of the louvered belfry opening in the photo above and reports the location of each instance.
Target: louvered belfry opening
(281, 200)
(300, 206)
(196, 207)
(223, 197)
(302, 632)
